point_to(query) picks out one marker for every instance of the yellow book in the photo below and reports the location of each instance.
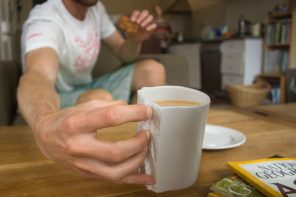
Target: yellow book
(275, 177)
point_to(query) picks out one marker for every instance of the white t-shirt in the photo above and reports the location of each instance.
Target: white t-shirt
(76, 42)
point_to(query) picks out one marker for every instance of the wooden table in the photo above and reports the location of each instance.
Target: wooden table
(282, 111)
(25, 172)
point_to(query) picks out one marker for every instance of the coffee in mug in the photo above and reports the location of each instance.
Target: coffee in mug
(176, 103)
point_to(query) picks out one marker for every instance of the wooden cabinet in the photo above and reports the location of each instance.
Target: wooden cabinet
(241, 61)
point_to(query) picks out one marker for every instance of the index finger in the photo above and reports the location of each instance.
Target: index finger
(114, 115)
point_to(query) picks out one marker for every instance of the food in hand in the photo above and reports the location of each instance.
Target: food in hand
(127, 25)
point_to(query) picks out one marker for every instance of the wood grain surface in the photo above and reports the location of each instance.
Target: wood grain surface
(281, 111)
(24, 171)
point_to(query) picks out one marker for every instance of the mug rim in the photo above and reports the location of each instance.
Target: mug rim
(207, 102)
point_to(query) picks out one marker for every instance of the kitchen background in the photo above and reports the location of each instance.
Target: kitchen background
(199, 30)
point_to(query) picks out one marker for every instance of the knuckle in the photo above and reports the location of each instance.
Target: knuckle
(70, 147)
(69, 123)
(111, 116)
(115, 155)
(114, 176)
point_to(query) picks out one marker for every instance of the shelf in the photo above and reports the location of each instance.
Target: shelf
(278, 46)
(270, 75)
(178, 12)
(275, 78)
(280, 16)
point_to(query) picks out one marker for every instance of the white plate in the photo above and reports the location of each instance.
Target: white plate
(218, 137)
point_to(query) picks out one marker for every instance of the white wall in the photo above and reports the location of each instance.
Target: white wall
(213, 15)
(253, 10)
(229, 11)
(179, 23)
(127, 6)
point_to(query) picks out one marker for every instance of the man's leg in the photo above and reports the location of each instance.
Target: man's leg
(95, 94)
(148, 73)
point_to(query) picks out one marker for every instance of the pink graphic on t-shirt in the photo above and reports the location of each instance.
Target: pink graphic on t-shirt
(34, 35)
(89, 51)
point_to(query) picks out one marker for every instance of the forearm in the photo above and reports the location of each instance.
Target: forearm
(36, 97)
(130, 50)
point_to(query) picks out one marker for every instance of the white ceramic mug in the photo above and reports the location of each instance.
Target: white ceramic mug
(176, 136)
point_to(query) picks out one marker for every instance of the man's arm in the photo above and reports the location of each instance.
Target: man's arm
(128, 49)
(36, 92)
(68, 136)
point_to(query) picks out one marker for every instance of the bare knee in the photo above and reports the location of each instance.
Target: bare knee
(95, 94)
(149, 73)
(152, 68)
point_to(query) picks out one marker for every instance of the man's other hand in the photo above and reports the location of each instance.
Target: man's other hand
(146, 23)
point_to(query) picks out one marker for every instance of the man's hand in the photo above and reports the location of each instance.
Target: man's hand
(69, 137)
(146, 23)
(128, 49)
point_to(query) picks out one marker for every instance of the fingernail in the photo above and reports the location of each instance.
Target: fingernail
(149, 112)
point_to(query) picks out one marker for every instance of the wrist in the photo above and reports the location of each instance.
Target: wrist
(134, 41)
(41, 117)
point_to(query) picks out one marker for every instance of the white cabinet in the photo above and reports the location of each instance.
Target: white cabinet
(191, 51)
(241, 61)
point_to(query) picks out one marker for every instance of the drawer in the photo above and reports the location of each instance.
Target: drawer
(232, 63)
(231, 80)
(233, 45)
